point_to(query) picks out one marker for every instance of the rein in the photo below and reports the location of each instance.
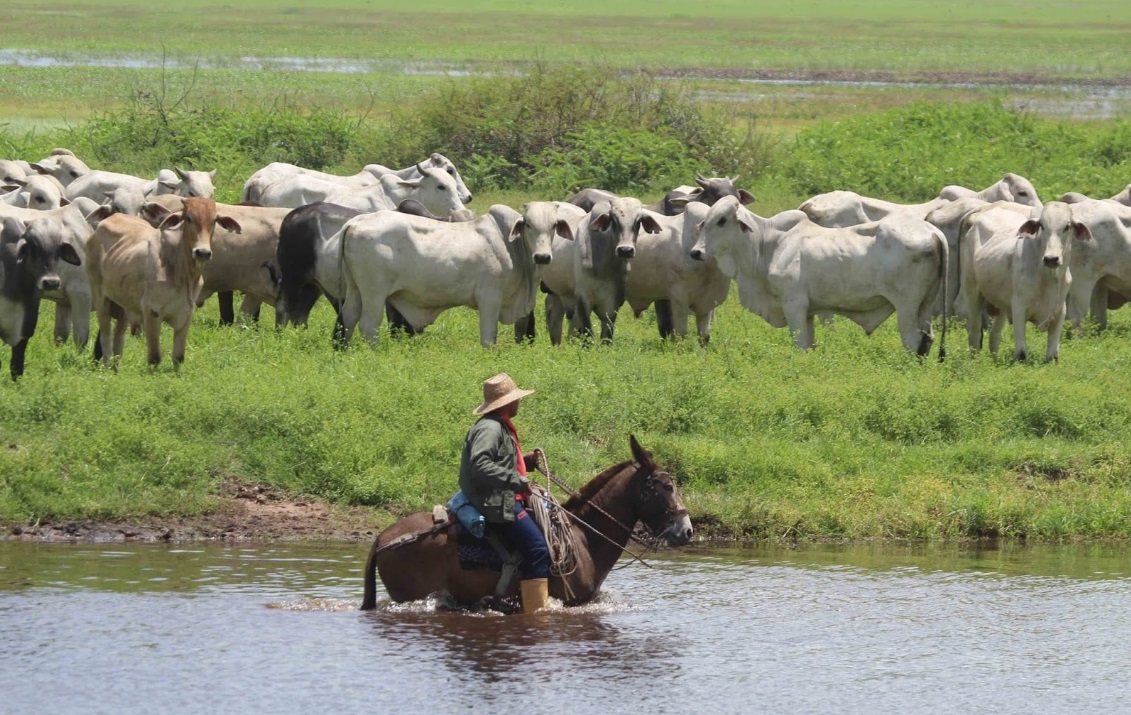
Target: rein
(542, 467)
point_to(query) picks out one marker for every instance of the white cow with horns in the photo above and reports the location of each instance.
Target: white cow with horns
(424, 267)
(789, 269)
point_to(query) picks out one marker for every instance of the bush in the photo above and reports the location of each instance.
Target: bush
(559, 128)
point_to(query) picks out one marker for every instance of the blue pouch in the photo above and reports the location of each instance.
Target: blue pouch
(469, 517)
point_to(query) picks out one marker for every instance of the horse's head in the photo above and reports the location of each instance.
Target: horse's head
(658, 502)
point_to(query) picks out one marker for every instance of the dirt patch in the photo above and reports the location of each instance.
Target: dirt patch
(247, 513)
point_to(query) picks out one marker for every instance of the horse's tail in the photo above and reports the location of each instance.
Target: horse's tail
(369, 578)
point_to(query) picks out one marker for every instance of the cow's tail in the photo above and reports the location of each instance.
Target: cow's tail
(339, 336)
(944, 267)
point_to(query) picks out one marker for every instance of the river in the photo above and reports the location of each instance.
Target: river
(818, 629)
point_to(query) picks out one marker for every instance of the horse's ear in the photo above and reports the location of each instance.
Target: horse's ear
(642, 456)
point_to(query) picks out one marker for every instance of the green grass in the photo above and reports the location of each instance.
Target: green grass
(855, 439)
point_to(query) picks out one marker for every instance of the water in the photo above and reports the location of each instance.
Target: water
(113, 629)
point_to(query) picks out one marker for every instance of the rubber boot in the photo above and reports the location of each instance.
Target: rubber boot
(535, 594)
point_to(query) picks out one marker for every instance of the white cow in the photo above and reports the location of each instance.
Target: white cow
(424, 267)
(1123, 197)
(66, 168)
(435, 188)
(1022, 275)
(559, 221)
(840, 209)
(279, 171)
(1101, 268)
(36, 192)
(11, 169)
(1011, 187)
(789, 269)
(663, 269)
(606, 240)
(949, 218)
(97, 184)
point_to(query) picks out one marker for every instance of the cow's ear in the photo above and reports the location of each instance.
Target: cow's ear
(171, 221)
(40, 169)
(13, 226)
(171, 185)
(1029, 229)
(229, 224)
(649, 223)
(409, 183)
(212, 174)
(682, 200)
(15, 183)
(563, 229)
(96, 216)
(517, 229)
(1081, 231)
(22, 249)
(745, 197)
(154, 213)
(68, 253)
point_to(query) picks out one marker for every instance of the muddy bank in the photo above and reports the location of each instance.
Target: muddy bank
(247, 513)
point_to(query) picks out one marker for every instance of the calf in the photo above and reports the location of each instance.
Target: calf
(789, 269)
(1022, 275)
(155, 273)
(29, 256)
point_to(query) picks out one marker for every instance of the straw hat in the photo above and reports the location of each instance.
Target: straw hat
(498, 391)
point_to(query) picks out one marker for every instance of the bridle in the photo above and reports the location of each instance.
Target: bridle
(647, 492)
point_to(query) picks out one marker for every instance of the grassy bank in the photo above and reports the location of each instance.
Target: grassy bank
(854, 439)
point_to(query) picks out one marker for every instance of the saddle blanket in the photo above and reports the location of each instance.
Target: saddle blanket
(476, 554)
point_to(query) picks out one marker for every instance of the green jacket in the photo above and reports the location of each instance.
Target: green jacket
(488, 473)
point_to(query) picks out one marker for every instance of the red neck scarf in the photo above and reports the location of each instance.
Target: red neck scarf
(520, 463)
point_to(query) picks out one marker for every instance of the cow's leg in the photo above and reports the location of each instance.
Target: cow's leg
(180, 340)
(667, 320)
(372, 315)
(81, 307)
(679, 315)
(608, 322)
(1052, 351)
(1099, 306)
(227, 312)
(489, 310)
(974, 311)
(800, 322)
(152, 324)
(398, 324)
(584, 317)
(122, 323)
(16, 367)
(1020, 347)
(250, 308)
(555, 314)
(524, 327)
(62, 323)
(105, 332)
(350, 314)
(703, 325)
(997, 327)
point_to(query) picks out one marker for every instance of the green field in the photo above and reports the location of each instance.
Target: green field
(855, 439)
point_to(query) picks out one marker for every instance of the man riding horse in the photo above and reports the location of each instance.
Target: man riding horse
(492, 475)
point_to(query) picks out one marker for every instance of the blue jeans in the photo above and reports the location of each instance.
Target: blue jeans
(525, 536)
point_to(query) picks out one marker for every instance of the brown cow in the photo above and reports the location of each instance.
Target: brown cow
(155, 273)
(238, 257)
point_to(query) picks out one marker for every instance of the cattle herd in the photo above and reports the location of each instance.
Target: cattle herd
(403, 243)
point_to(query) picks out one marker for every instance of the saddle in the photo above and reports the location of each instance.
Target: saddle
(489, 552)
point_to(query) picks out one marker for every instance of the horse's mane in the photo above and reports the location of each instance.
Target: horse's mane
(594, 485)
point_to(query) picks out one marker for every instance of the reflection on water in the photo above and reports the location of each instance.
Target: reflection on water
(860, 629)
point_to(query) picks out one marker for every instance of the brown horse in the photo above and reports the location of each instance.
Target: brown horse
(610, 504)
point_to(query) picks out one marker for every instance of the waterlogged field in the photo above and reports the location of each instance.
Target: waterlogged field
(65, 61)
(855, 439)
